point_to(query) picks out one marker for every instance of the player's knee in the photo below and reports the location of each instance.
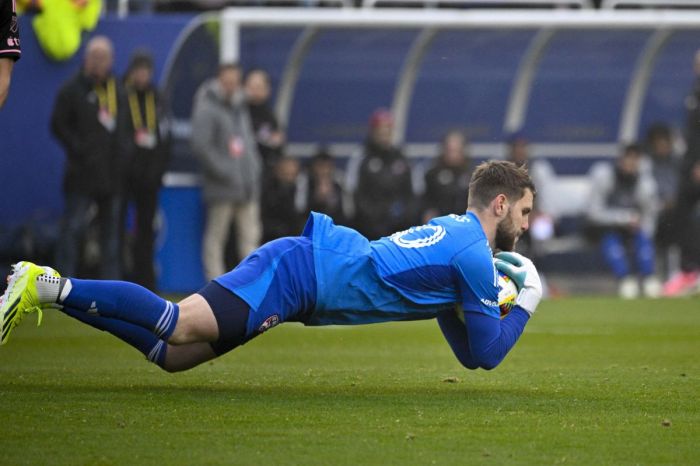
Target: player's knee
(180, 337)
(170, 367)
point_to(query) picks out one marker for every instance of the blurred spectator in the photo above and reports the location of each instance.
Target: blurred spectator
(686, 219)
(282, 214)
(687, 280)
(267, 131)
(146, 163)
(692, 104)
(384, 200)
(545, 216)
(224, 142)
(622, 215)
(90, 120)
(324, 193)
(665, 168)
(447, 181)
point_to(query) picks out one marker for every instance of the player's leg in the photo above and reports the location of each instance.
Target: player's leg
(172, 358)
(30, 289)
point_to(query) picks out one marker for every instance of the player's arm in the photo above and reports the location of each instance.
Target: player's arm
(6, 65)
(9, 46)
(482, 339)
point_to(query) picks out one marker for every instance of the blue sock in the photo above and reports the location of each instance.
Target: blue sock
(124, 301)
(615, 255)
(143, 340)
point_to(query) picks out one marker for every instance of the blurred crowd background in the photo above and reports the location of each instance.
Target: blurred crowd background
(137, 152)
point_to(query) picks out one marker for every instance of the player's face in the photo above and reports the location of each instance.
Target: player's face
(515, 223)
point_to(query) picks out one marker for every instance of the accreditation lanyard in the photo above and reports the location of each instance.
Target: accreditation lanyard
(107, 96)
(150, 104)
(144, 136)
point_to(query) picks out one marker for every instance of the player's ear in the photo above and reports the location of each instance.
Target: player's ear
(500, 205)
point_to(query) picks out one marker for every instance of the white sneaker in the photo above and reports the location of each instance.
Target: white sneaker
(651, 287)
(629, 288)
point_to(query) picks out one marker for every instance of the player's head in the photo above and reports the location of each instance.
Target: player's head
(506, 192)
(99, 57)
(229, 78)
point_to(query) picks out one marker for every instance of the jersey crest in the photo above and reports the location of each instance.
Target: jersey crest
(419, 237)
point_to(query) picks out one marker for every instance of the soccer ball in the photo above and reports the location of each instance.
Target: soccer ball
(507, 292)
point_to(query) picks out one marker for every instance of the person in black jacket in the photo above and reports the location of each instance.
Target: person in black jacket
(281, 215)
(89, 120)
(145, 164)
(268, 134)
(686, 217)
(384, 200)
(324, 192)
(447, 181)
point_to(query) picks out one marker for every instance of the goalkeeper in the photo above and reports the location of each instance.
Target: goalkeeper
(328, 275)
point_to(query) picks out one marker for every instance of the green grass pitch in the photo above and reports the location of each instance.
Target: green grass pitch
(591, 382)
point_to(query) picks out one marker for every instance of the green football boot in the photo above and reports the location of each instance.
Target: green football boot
(21, 297)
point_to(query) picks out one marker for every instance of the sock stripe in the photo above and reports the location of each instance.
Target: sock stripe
(164, 321)
(154, 355)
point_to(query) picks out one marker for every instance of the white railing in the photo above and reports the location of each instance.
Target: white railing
(483, 3)
(547, 22)
(124, 6)
(612, 4)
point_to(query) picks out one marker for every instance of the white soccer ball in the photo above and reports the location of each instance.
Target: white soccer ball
(507, 293)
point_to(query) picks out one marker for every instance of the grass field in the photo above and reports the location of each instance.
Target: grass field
(592, 382)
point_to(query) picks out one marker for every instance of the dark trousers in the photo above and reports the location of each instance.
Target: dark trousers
(688, 223)
(145, 203)
(78, 213)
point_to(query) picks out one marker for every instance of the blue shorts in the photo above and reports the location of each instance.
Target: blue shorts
(276, 283)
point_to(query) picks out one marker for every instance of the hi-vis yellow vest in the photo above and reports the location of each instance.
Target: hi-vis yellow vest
(60, 24)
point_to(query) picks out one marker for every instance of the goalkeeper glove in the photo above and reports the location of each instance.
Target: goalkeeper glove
(523, 272)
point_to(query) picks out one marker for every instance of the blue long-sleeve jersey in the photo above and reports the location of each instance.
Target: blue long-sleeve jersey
(412, 274)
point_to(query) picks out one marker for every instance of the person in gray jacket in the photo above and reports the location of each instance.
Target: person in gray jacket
(622, 211)
(224, 142)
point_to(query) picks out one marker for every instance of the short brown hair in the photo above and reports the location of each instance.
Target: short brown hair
(498, 177)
